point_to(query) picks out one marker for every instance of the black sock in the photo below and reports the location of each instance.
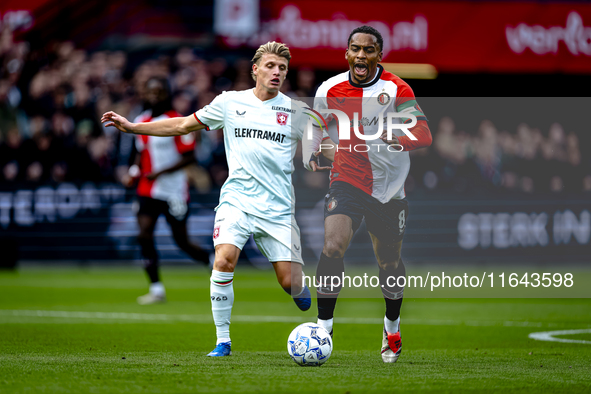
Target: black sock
(150, 256)
(393, 308)
(327, 296)
(151, 267)
(391, 291)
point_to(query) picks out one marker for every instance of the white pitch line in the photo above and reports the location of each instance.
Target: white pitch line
(549, 336)
(207, 319)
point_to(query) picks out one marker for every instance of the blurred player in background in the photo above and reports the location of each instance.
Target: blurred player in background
(162, 186)
(261, 130)
(367, 183)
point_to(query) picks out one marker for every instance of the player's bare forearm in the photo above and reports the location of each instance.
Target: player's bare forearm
(314, 158)
(161, 128)
(311, 149)
(328, 149)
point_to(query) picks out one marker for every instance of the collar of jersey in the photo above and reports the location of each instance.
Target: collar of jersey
(366, 85)
(266, 101)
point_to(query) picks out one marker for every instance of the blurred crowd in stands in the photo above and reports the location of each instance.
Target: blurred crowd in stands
(51, 101)
(525, 160)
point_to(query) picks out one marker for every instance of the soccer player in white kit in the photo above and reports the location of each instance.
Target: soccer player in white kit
(261, 130)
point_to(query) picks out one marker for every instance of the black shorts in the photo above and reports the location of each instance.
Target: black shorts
(386, 221)
(176, 211)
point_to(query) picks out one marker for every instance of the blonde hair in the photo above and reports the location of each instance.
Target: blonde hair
(275, 48)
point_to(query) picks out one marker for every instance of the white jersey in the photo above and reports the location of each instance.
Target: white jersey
(260, 138)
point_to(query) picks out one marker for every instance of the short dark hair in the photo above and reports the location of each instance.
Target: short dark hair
(367, 30)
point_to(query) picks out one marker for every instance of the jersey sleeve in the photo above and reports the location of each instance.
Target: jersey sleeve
(406, 102)
(185, 143)
(321, 103)
(311, 137)
(212, 116)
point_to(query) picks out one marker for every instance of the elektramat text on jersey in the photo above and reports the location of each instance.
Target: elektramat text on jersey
(260, 134)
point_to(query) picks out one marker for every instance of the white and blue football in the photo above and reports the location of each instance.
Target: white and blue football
(309, 345)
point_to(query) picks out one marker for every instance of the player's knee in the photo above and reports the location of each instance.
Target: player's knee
(334, 248)
(223, 264)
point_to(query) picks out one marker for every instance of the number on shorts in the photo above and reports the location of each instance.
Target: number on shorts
(402, 220)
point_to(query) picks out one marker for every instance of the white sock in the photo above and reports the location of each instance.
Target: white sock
(222, 299)
(327, 324)
(391, 325)
(157, 289)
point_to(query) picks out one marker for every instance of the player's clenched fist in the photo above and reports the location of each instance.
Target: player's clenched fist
(120, 122)
(393, 141)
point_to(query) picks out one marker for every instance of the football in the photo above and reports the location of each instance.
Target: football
(309, 345)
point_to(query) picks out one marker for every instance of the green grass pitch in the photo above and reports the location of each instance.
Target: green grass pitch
(80, 330)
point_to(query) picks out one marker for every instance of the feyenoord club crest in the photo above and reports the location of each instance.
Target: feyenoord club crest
(332, 204)
(384, 98)
(216, 232)
(282, 118)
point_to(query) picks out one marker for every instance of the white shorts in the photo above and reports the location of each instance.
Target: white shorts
(277, 240)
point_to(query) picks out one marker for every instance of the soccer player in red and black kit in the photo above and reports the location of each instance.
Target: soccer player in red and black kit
(162, 186)
(367, 179)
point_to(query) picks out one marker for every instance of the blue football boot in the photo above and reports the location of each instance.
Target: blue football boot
(221, 350)
(304, 300)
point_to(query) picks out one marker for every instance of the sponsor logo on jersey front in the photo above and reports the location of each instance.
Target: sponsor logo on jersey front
(259, 134)
(367, 122)
(276, 108)
(282, 118)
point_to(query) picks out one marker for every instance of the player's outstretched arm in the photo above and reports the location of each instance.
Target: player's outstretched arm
(161, 128)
